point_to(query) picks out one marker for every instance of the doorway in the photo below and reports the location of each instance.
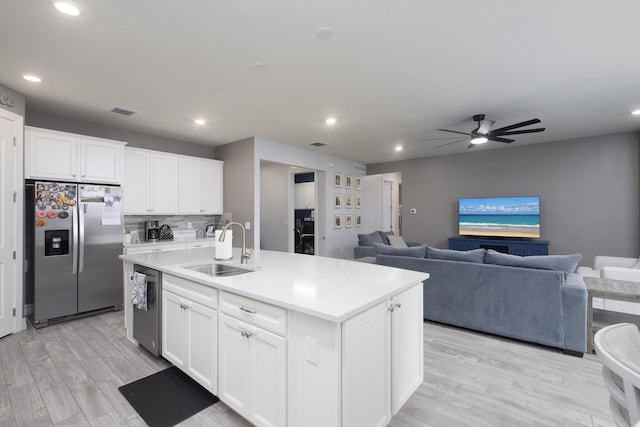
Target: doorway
(304, 205)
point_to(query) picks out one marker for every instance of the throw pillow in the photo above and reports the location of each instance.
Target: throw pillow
(566, 263)
(413, 251)
(385, 236)
(474, 255)
(397, 241)
(370, 239)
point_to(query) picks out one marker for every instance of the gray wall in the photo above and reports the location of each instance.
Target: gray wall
(134, 139)
(274, 206)
(16, 99)
(589, 191)
(239, 184)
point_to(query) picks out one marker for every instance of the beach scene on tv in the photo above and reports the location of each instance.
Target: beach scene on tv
(500, 217)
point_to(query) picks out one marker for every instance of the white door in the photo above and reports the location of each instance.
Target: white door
(10, 127)
(366, 368)
(190, 185)
(100, 161)
(233, 363)
(136, 182)
(174, 347)
(212, 187)
(52, 155)
(163, 184)
(202, 342)
(407, 349)
(268, 379)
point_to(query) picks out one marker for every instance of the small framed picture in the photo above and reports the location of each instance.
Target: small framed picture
(348, 182)
(337, 200)
(358, 220)
(358, 201)
(337, 180)
(337, 220)
(358, 183)
(348, 201)
(348, 221)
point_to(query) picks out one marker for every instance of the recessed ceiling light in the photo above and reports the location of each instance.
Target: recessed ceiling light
(258, 66)
(324, 32)
(399, 148)
(199, 121)
(67, 8)
(215, 88)
(331, 121)
(31, 78)
(636, 112)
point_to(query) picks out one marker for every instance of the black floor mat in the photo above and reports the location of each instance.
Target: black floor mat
(167, 398)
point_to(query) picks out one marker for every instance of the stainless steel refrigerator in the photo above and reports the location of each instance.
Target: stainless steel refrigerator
(73, 236)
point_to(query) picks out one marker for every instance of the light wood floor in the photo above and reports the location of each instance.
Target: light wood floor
(68, 375)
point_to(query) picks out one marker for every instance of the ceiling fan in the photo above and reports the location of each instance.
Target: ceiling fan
(484, 133)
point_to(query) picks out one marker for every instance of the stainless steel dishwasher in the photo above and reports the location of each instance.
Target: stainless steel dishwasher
(147, 323)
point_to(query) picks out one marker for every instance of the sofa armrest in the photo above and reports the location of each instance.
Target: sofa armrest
(587, 272)
(613, 261)
(620, 273)
(364, 251)
(574, 312)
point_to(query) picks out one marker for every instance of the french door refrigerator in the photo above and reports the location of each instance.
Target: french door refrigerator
(73, 236)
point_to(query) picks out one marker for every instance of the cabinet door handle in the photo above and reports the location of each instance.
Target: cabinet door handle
(246, 334)
(398, 304)
(248, 310)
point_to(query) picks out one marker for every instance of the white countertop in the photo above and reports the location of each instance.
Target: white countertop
(328, 288)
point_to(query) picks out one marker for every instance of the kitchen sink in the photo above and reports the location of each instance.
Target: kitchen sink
(219, 270)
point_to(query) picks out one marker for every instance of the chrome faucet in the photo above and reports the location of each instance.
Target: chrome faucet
(244, 255)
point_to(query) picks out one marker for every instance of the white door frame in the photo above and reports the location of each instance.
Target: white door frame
(14, 184)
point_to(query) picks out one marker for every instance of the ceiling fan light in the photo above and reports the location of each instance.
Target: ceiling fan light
(479, 140)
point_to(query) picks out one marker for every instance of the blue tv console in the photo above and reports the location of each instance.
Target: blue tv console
(515, 247)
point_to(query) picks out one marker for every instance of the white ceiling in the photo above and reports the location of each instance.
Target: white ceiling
(393, 72)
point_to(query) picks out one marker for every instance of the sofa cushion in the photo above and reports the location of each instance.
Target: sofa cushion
(385, 236)
(413, 251)
(474, 255)
(566, 263)
(370, 239)
(397, 241)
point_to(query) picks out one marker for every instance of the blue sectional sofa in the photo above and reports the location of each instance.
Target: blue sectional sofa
(537, 299)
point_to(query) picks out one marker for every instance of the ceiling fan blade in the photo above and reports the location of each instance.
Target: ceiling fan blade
(455, 131)
(485, 127)
(437, 139)
(449, 143)
(518, 132)
(498, 139)
(516, 125)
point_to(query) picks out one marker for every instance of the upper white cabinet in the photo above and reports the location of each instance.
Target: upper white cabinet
(70, 157)
(157, 183)
(305, 196)
(200, 186)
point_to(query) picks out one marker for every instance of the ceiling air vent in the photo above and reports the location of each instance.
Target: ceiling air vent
(123, 111)
(318, 144)
(359, 168)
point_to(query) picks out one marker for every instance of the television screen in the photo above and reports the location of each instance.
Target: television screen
(500, 217)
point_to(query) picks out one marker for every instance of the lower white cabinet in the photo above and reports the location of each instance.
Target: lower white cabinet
(383, 359)
(252, 371)
(190, 329)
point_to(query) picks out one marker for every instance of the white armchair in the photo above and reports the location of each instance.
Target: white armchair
(616, 268)
(600, 262)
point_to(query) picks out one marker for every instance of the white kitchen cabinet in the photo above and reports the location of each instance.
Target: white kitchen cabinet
(190, 328)
(305, 195)
(200, 186)
(70, 157)
(150, 182)
(252, 364)
(136, 182)
(383, 359)
(157, 183)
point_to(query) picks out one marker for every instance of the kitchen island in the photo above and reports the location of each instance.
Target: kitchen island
(298, 340)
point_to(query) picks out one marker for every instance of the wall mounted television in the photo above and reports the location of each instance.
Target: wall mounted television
(500, 217)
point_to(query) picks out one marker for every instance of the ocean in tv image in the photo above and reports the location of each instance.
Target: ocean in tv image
(500, 217)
